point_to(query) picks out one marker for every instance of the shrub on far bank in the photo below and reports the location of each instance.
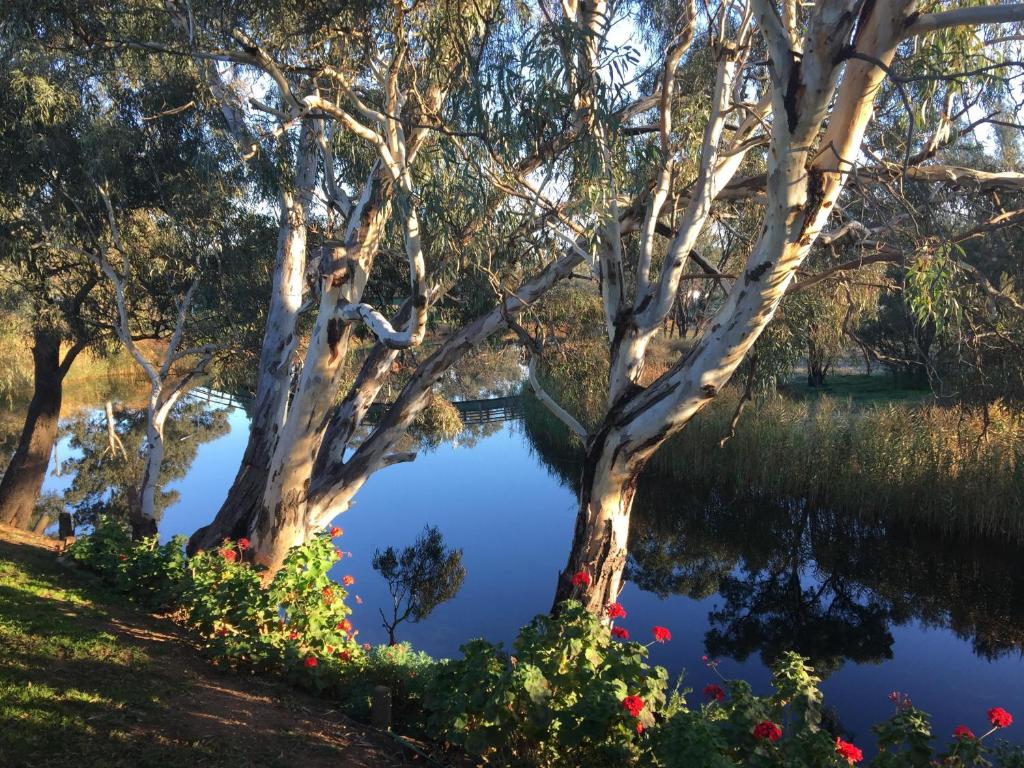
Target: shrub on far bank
(574, 691)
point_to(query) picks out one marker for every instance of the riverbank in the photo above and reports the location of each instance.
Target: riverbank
(86, 680)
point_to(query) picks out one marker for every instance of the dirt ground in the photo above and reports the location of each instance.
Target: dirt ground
(91, 682)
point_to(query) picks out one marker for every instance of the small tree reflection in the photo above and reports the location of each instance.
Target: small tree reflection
(419, 579)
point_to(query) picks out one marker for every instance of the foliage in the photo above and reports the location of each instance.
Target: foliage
(419, 579)
(571, 693)
(556, 701)
(150, 572)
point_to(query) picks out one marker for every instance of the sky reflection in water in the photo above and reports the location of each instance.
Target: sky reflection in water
(513, 518)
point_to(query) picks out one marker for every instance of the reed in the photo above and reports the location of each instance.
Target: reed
(955, 469)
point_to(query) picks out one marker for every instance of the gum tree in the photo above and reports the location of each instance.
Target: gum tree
(794, 90)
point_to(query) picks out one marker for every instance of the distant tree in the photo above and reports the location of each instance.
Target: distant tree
(422, 577)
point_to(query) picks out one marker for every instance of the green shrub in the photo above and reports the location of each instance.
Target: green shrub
(150, 573)
(558, 700)
(572, 693)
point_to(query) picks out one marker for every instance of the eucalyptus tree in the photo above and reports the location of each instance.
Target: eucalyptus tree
(794, 90)
(53, 286)
(88, 129)
(373, 114)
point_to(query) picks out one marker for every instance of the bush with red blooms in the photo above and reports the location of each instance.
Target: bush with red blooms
(713, 692)
(1000, 718)
(615, 611)
(767, 730)
(573, 692)
(566, 695)
(581, 579)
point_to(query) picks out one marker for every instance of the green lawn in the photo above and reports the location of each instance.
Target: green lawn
(860, 388)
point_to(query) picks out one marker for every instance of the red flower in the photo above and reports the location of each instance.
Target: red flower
(621, 632)
(327, 593)
(122, 557)
(847, 750)
(581, 579)
(229, 554)
(615, 611)
(336, 532)
(310, 662)
(345, 625)
(766, 729)
(633, 704)
(293, 635)
(344, 655)
(963, 732)
(999, 717)
(330, 649)
(347, 580)
(661, 634)
(639, 727)
(337, 554)
(223, 631)
(243, 544)
(714, 691)
(366, 646)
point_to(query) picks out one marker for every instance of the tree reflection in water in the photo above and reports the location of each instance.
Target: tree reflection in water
(104, 479)
(789, 576)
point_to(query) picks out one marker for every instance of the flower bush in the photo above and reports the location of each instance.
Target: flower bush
(568, 695)
(573, 691)
(150, 573)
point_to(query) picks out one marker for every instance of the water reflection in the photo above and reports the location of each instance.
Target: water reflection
(788, 576)
(107, 461)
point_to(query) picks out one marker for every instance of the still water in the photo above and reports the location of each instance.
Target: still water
(878, 609)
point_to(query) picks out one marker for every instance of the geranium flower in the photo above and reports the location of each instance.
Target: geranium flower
(345, 625)
(310, 662)
(713, 691)
(336, 532)
(639, 727)
(293, 635)
(615, 611)
(330, 649)
(849, 751)
(633, 704)
(661, 634)
(229, 554)
(347, 580)
(766, 729)
(581, 579)
(963, 732)
(344, 655)
(338, 554)
(244, 544)
(999, 717)
(621, 632)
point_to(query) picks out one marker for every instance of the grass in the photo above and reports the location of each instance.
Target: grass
(861, 446)
(860, 389)
(86, 681)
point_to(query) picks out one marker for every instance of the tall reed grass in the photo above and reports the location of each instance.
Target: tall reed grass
(939, 466)
(949, 468)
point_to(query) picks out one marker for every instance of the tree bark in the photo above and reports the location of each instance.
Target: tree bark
(23, 480)
(237, 515)
(601, 535)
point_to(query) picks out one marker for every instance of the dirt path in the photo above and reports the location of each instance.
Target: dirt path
(84, 681)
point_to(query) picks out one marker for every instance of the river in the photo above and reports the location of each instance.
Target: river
(878, 608)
